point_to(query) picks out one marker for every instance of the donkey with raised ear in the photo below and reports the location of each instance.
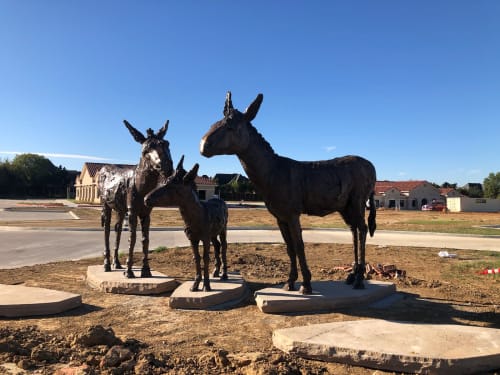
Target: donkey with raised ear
(205, 221)
(123, 190)
(291, 188)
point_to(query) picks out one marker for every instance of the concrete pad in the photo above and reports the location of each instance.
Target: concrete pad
(116, 282)
(327, 296)
(396, 346)
(224, 293)
(19, 300)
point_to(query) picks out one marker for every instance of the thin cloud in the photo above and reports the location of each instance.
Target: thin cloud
(330, 148)
(55, 155)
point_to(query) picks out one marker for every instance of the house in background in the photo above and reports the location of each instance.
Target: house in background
(406, 195)
(86, 183)
(449, 193)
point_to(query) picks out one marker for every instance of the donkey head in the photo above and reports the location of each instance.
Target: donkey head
(179, 187)
(155, 150)
(230, 135)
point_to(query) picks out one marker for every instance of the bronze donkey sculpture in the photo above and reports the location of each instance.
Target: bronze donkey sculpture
(123, 190)
(291, 188)
(204, 221)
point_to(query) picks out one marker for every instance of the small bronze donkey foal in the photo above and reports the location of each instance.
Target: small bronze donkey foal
(204, 220)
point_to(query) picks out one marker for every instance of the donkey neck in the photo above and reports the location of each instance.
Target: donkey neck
(258, 160)
(145, 178)
(191, 209)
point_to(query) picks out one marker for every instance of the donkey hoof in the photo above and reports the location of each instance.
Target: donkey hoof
(107, 268)
(350, 279)
(146, 272)
(289, 286)
(305, 289)
(129, 274)
(207, 288)
(118, 266)
(215, 273)
(224, 276)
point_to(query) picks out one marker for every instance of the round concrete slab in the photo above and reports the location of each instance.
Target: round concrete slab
(224, 293)
(396, 346)
(116, 282)
(20, 300)
(327, 296)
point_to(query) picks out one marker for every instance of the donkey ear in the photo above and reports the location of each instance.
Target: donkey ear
(161, 133)
(228, 105)
(253, 108)
(191, 175)
(180, 164)
(135, 133)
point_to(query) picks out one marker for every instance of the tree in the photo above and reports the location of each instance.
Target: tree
(491, 185)
(8, 180)
(35, 172)
(447, 185)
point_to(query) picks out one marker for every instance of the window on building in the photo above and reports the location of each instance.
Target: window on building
(392, 203)
(401, 203)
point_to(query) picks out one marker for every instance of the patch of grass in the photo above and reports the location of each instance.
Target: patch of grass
(467, 269)
(160, 249)
(450, 226)
(431, 222)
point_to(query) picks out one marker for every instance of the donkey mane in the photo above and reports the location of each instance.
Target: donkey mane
(261, 138)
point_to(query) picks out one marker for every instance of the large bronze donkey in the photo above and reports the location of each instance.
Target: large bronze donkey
(123, 190)
(205, 221)
(291, 188)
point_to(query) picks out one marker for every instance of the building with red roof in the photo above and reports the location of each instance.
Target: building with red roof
(410, 195)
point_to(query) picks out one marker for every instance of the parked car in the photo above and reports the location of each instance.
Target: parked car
(434, 206)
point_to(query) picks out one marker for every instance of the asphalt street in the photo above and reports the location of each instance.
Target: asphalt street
(24, 246)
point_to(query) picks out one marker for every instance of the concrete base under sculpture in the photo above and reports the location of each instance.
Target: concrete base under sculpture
(224, 293)
(19, 301)
(116, 282)
(396, 346)
(327, 296)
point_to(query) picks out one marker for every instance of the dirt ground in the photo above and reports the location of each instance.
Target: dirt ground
(126, 334)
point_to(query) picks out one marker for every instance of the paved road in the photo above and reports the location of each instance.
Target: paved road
(22, 247)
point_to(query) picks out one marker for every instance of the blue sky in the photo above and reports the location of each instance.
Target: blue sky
(413, 86)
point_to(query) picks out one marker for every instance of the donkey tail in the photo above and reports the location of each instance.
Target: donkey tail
(372, 225)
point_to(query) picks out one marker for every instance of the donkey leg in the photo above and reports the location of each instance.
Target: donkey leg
(293, 275)
(106, 223)
(118, 233)
(216, 244)
(130, 260)
(196, 256)
(145, 222)
(360, 272)
(224, 258)
(298, 243)
(351, 277)
(206, 261)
